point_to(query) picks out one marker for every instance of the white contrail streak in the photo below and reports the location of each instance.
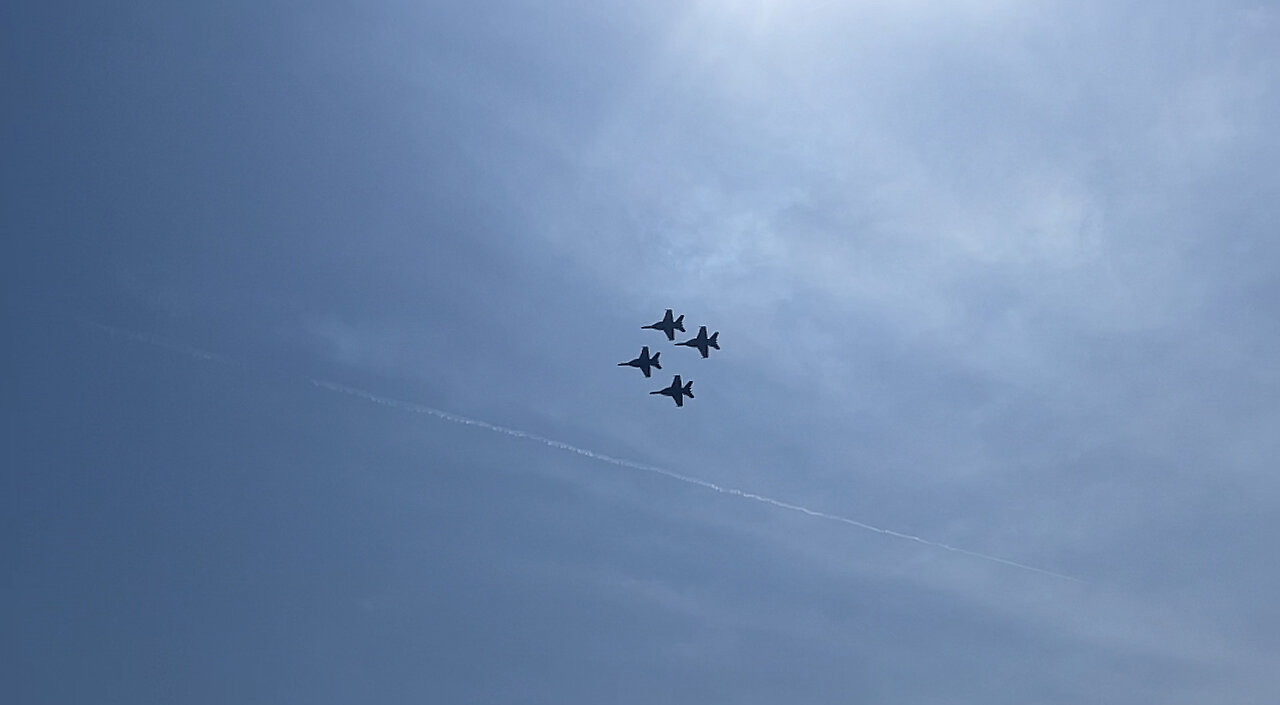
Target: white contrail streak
(560, 445)
(157, 341)
(204, 356)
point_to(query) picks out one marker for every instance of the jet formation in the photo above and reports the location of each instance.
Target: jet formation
(670, 323)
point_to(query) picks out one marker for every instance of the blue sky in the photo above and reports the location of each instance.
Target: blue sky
(1002, 276)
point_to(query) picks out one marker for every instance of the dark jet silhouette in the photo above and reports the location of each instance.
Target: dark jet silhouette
(644, 362)
(677, 392)
(702, 342)
(669, 326)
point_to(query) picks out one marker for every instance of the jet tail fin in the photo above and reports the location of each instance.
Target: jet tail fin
(688, 390)
(680, 323)
(712, 340)
(654, 360)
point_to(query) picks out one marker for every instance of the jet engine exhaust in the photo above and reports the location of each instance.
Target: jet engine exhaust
(731, 491)
(203, 356)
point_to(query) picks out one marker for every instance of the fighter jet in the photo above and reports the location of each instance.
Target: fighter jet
(676, 391)
(644, 362)
(669, 326)
(702, 342)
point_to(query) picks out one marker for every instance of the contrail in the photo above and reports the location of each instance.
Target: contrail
(204, 356)
(621, 462)
(157, 341)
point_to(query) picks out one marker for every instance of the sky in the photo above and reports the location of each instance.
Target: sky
(314, 310)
